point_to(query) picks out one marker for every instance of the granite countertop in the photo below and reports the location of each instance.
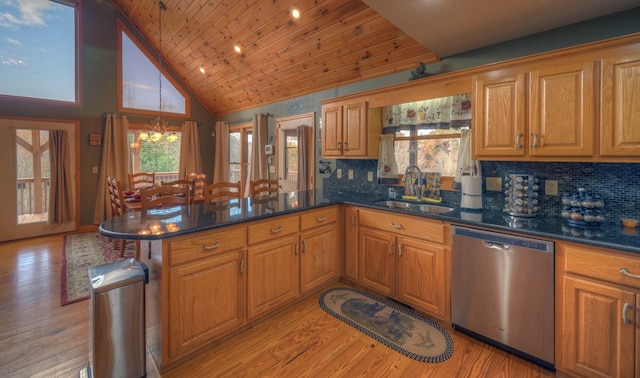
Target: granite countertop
(200, 217)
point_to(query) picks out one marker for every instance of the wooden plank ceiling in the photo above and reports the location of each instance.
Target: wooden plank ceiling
(336, 42)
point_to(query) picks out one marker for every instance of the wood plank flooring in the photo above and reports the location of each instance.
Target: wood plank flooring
(40, 338)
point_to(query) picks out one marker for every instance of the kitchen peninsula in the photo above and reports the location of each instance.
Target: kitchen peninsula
(215, 270)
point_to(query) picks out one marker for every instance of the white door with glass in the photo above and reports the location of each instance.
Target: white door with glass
(25, 185)
(288, 146)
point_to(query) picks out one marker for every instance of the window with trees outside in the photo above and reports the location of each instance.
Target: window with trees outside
(427, 133)
(240, 138)
(38, 50)
(161, 157)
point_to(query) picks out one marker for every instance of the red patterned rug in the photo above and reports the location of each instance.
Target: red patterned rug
(79, 252)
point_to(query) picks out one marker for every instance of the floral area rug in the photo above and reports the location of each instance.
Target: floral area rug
(399, 328)
(79, 252)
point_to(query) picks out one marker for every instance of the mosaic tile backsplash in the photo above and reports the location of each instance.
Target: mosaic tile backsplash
(616, 183)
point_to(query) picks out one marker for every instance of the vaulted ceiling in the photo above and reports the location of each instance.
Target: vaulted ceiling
(336, 42)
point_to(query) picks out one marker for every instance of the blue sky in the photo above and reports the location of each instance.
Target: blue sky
(37, 49)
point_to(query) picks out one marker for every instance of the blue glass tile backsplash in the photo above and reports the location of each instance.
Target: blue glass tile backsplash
(616, 183)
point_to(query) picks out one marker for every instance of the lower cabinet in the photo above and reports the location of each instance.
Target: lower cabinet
(407, 268)
(597, 320)
(206, 300)
(318, 257)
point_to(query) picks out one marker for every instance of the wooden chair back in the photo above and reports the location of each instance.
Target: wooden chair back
(222, 191)
(116, 196)
(262, 186)
(200, 181)
(189, 184)
(141, 180)
(163, 196)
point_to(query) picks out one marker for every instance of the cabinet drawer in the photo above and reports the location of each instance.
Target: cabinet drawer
(275, 228)
(602, 264)
(315, 218)
(416, 227)
(206, 244)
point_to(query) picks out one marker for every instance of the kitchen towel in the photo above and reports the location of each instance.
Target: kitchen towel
(466, 164)
(387, 167)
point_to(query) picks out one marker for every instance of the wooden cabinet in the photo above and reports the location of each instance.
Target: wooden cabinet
(318, 248)
(273, 264)
(348, 131)
(351, 242)
(207, 283)
(554, 118)
(405, 257)
(620, 112)
(596, 321)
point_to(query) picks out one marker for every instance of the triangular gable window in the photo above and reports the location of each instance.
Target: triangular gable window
(140, 85)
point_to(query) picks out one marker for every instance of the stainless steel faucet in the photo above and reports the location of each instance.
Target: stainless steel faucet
(414, 186)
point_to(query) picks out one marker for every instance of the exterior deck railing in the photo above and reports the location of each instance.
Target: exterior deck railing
(32, 199)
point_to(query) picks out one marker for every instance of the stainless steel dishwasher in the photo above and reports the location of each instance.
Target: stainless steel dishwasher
(502, 291)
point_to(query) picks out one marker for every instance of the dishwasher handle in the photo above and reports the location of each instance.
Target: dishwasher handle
(494, 245)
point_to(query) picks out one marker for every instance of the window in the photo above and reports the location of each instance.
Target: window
(140, 81)
(161, 157)
(38, 50)
(239, 153)
(427, 133)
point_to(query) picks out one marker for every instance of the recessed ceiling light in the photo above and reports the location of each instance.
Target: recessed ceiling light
(202, 69)
(237, 48)
(295, 13)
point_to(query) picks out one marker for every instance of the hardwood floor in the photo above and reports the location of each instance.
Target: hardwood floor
(40, 338)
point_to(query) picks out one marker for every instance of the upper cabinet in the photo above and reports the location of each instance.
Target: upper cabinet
(547, 112)
(350, 131)
(620, 122)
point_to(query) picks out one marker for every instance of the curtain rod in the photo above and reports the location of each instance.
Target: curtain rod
(145, 119)
(243, 120)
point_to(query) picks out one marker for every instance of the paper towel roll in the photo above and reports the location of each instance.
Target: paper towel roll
(472, 185)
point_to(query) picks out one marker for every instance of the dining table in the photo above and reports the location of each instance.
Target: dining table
(133, 201)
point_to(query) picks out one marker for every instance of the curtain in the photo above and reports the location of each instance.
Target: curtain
(466, 165)
(61, 201)
(387, 167)
(258, 163)
(114, 163)
(190, 157)
(304, 133)
(221, 158)
(447, 112)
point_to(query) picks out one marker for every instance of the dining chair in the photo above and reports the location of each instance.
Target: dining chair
(189, 184)
(259, 187)
(164, 196)
(141, 180)
(200, 181)
(116, 198)
(221, 191)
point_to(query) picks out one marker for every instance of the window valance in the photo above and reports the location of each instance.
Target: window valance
(452, 112)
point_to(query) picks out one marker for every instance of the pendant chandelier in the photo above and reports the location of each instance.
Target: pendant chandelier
(159, 127)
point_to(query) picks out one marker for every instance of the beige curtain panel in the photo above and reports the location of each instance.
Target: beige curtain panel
(190, 158)
(221, 154)
(61, 209)
(258, 163)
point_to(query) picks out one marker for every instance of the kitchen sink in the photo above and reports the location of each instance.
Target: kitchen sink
(395, 204)
(433, 209)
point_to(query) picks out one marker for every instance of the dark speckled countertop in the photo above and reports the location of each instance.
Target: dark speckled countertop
(200, 217)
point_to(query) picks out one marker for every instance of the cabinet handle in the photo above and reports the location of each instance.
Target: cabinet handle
(534, 142)
(321, 219)
(304, 246)
(399, 250)
(242, 267)
(339, 146)
(625, 272)
(353, 220)
(627, 306)
(391, 248)
(208, 247)
(518, 137)
(395, 225)
(275, 230)
(346, 144)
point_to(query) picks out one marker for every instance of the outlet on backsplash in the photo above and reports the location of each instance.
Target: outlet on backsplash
(494, 184)
(551, 187)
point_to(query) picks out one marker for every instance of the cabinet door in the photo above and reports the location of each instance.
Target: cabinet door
(499, 116)
(620, 124)
(332, 130)
(562, 111)
(206, 299)
(595, 341)
(273, 275)
(351, 242)
(377, 260)
(421, 275)
(318, 257)
(355, 129)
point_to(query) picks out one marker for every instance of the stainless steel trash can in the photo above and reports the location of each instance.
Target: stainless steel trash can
(117, 319)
